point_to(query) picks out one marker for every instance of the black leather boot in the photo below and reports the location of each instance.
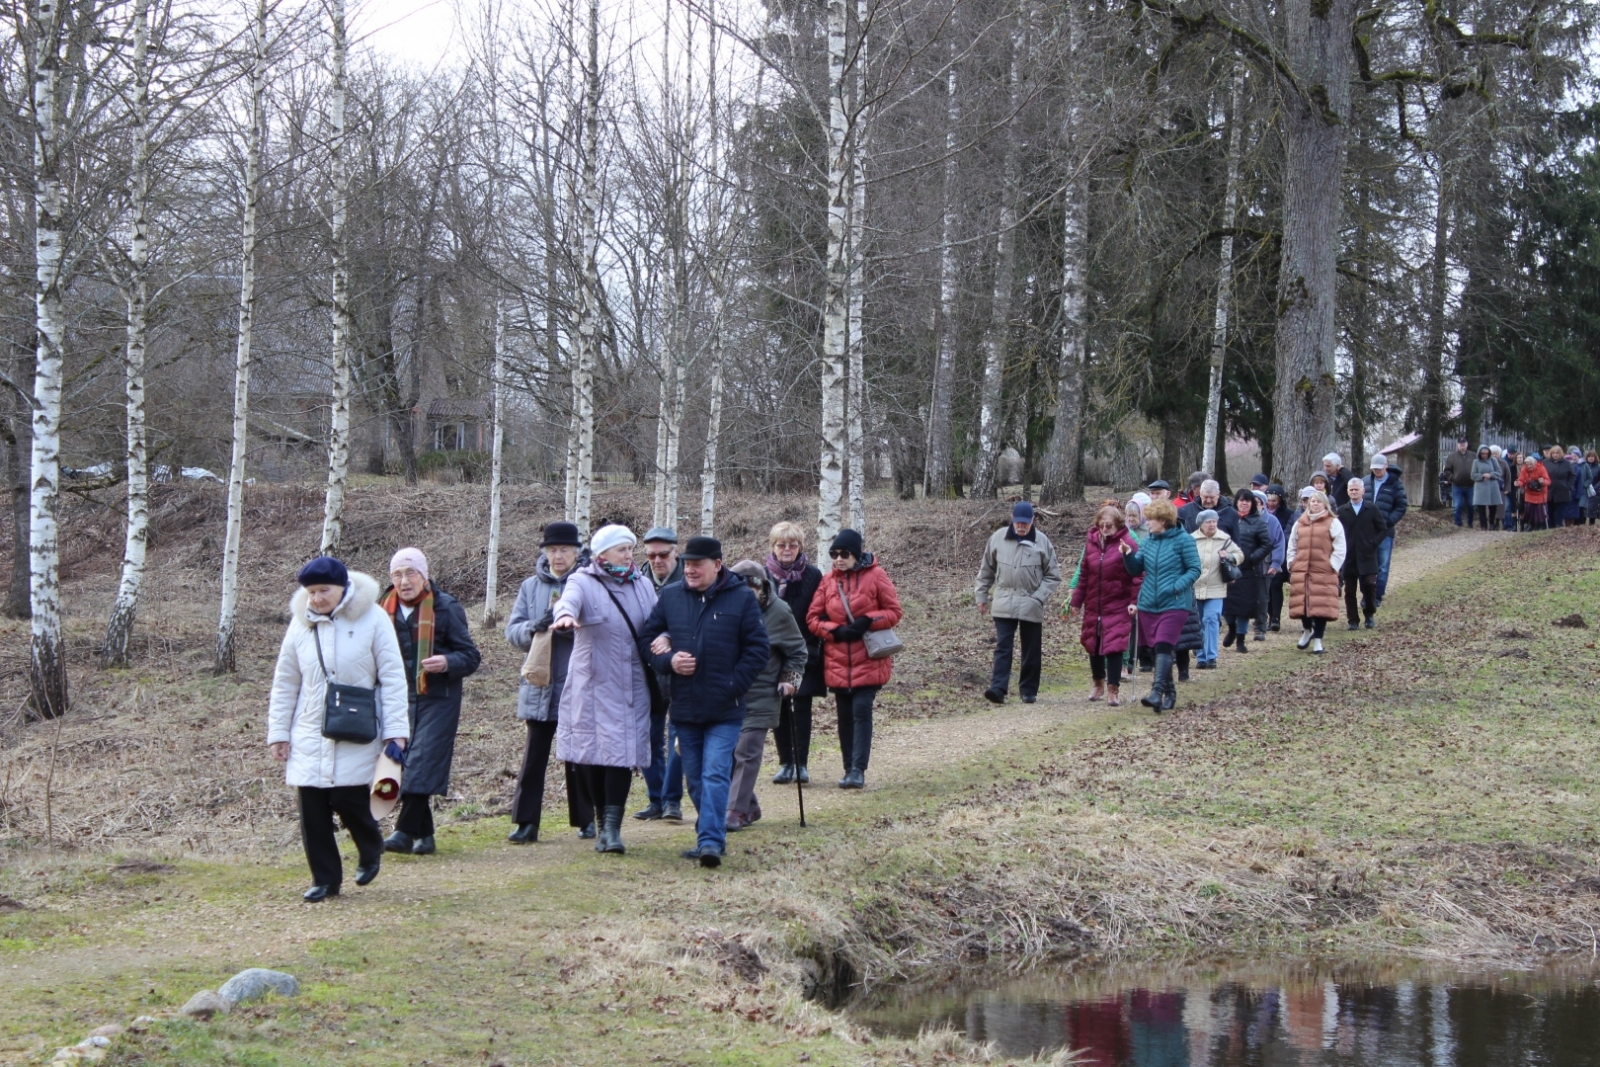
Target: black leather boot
(611, 830)
(525, 833)
(785, 775)
(398, 842)
(1163, 683)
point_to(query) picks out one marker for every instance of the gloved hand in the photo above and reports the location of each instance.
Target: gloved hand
(544, 624)
(853, 630)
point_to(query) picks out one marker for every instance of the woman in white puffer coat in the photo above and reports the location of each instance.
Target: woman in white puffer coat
(336, 611)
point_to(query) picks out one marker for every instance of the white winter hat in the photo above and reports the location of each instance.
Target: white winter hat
(1142, 499)
(609, 537)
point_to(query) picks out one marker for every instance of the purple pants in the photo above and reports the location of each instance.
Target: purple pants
(1161, 627)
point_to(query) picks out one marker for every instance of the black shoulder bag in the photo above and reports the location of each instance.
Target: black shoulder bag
(658, 700)
(349, 712)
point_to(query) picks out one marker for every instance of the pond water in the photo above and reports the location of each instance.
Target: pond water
(1294, 1016)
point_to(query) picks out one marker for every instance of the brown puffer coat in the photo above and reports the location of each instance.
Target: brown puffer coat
(1317, 550)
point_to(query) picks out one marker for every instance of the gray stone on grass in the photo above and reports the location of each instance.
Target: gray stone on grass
(256, 982)
(204, 1004)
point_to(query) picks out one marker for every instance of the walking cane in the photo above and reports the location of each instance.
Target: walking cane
(794, 750)
(1133, 647)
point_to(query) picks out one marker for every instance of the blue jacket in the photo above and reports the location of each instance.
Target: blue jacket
(1171, 565)
(723, 630)
(1280, 541)
(1391, 499)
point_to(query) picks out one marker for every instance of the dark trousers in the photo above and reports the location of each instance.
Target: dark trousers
(1369, 594)
(855, 725)
(605, 787)
(1107, 668)
(1005, 634)
(1264, 602)
(416, 815)
(796, 715)
(353, 805)
(663, 779)
(1488, 516)
(580, 812)
(1275, 587)
(527, 803)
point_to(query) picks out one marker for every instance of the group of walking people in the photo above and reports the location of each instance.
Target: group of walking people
(1510, 490)
(677, 669)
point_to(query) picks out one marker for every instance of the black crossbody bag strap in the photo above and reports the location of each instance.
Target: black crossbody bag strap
(657, 698)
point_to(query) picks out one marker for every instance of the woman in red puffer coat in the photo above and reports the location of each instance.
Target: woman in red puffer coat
(1105, 593)
(854, 678)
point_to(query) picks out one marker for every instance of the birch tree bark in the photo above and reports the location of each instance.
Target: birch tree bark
(256, 138)
(581, 447)
(941, 443)
(855, 342)
(997, 336)
(119, 629)
(1434, 409)
(47, 670)
(1063, 461)
(497, 380)
(1316, 119)
(835, 308)
(339, 421)
(721, 253)
(1219, 320)
(708, 466)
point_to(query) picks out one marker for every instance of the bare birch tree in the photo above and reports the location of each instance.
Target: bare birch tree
(255, 140)
(339, 415)
(1063, 469)
(855, 342)
(1219, 323)
(497, 383)
(580, 448)
(941, 442)
(835, 309)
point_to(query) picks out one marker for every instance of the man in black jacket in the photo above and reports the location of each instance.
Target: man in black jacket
(1209, 498)
(707, 631)
(1386, 488)
(1364, 530)
(1338, 476)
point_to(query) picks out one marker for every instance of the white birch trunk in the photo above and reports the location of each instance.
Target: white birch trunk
(589, 288)
(941, 443)
(225, 660)
(339, 421)
(119, 629)
(708, 467)
(856, 426)
(835, 309)
(999, 332)
(1063, 473)
(47, 664)
(491, 581)
(718, 242)
(1219, 326)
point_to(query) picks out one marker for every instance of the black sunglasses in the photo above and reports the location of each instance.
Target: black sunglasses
(839, 553)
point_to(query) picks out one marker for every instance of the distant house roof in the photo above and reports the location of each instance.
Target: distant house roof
(1404, 442)
(458, 407)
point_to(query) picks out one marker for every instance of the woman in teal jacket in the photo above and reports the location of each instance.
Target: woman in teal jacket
(1170, 564)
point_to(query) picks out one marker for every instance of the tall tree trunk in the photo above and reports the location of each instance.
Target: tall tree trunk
(1433, 396)
(1316, 118)
(47, 672)
(119, 629)
(708, 465)
(941, 439)
(226, 658)
(339, 421)
(1360, 334)
(855, 341)
(835, 305)
(491, 581)
(1063, 461)
(1219, 321)
(581, 447)
(998, 335)
(19, 446)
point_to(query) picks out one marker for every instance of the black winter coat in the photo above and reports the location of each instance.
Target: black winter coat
(1362, 535)
(436, 714)
(1339, 488)
(798, 596)
(1255, 541)
(723, 630)
(1390, 497)
(1563, 480)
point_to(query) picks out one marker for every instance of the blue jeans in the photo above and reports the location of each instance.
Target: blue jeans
(663, 779)
(707, 751)
(1210, 619)
(1462, 500)
(1385, 554)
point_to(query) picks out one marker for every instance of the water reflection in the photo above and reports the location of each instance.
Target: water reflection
(1298, 1021)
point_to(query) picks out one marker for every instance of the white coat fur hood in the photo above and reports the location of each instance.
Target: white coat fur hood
(359, 648)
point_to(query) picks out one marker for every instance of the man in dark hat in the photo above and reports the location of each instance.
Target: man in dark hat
(1019, 568)
(714, 643)
(1159, 490)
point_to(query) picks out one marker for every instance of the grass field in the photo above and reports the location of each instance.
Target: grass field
(1425, 791)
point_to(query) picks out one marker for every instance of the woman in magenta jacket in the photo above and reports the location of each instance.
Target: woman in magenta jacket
(1105, 593)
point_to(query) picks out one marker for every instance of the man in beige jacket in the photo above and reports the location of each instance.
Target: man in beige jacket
(1019, 569)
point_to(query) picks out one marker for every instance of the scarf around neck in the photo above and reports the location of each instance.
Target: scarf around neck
(620, 575)
(784, 575)
(424, 610)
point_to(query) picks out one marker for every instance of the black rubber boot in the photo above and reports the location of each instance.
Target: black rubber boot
(611, 830)
(1163, 683)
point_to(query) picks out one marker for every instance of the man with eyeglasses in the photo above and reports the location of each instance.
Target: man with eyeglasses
(1019, 570)
(663, 779)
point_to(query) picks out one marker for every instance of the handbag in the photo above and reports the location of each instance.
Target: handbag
(536, 667)
(881, 644)
(349, 712)
(658, 699)
(1230, 571)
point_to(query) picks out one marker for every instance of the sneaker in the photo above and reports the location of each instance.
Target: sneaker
(650, 813)
(1370, 624)
(1353, 626)
(1273, 626)
(671, 812)
(1260, 636)
(994, 696)
(1209, 665)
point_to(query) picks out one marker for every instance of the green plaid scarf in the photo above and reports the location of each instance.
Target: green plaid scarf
(391, 604)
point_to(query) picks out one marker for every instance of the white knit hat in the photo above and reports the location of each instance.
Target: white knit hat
(1142, 499)
(609, 537)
